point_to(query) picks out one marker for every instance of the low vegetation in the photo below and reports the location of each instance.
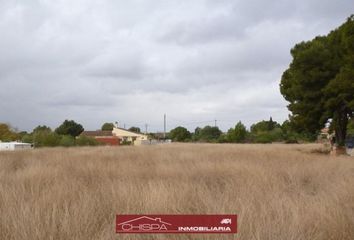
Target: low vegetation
(260, 132)
(278, 191)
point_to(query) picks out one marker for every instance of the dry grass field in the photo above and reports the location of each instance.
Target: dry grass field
(278, 191)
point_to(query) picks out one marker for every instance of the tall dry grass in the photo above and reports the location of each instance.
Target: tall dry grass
(278, 191)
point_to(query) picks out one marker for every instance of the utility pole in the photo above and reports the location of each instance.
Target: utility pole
(215, 122)
(164, 126)
(124, 125)
(146, 128)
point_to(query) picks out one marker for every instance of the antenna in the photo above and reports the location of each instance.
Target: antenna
(164, 126)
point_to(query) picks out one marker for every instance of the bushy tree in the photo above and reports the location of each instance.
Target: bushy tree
(45, 139)
(39, 136)
(237, 134)
(262, 137)
(67, 141)
(264, 126)
(27, 138)
(179, 134)
(135, 129)
(107, 127)
(290, 135)
(266, 132)
(40, 128)
(69, 127)
(319, 82)
(207, 134)
(196, 134)
(7, 134)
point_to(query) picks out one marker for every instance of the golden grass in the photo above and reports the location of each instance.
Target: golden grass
(278, 191)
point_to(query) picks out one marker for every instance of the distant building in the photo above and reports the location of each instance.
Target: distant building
(329, 138)
(118, 136)
(12, 146)
(128, 136)
(105, 137)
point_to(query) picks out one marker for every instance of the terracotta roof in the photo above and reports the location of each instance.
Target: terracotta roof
(96, 133)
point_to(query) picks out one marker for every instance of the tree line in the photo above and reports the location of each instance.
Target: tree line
(67, 134)
(260, 132)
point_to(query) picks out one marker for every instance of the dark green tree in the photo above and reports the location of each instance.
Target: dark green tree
(42, 136)
(45, 139)
(207, 134)
(135, 129)
(266, 132)
(107, 127)
(319, 82)
(40, 128)
(69, 127)
(264, 126)
(179, 134)
(350, 128)
(28, 138)
(67, 141)
(237, 134)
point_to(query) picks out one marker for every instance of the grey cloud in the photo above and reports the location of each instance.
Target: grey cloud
(204, 30)
(119, 63)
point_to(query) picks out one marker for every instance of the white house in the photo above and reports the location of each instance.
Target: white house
(12, 146)
(126, 135)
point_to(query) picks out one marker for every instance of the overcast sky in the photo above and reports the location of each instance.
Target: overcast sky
(98, 61)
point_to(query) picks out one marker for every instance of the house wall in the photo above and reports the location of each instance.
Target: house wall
(128, 135)
(11, 146)
(22, 146)
(6, 147)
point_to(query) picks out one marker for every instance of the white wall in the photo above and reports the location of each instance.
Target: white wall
(11, 146)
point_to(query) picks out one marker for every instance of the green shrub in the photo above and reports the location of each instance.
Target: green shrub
(67, 141)
(179, 134)
(263, 137)
(86, 141)
(125, 142)
(28, 138)
(46, 139)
